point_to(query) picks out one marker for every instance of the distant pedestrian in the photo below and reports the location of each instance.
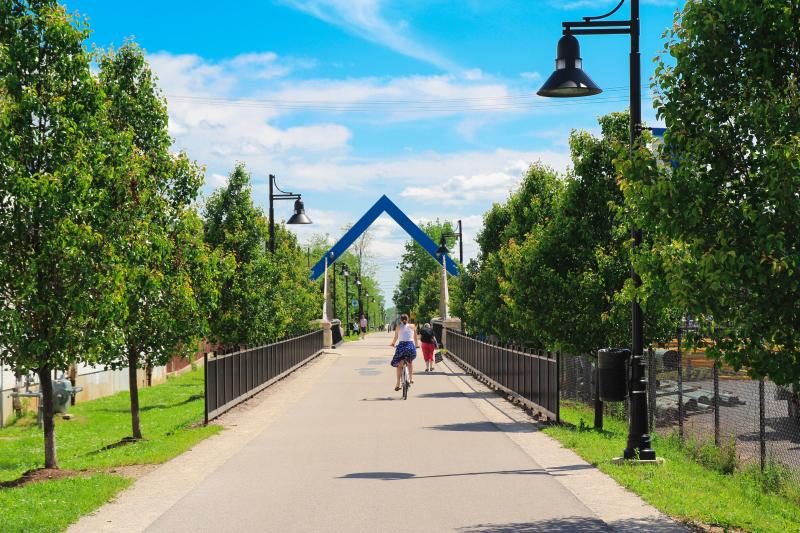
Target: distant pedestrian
(363, 325)
(429, 345)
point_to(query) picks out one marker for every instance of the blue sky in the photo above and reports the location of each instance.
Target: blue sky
(430, 102)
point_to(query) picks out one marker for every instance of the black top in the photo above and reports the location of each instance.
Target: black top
(426, 334)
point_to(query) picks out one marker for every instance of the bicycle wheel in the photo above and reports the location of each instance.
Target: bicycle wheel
(405, 382)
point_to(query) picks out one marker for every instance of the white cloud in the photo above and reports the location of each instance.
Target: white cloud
(367, 19)
(423, 170)
(222, 132)
(531, 75)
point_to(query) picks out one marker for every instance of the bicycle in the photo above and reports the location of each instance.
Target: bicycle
(405, 382)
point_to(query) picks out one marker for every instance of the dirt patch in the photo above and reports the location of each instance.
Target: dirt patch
(40, 474)
(132, 471)
(698, 527)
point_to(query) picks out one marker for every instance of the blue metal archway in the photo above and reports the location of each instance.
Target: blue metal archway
(383, 205)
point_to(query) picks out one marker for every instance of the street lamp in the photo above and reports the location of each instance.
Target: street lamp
(460, 235)
(299, 216)
(442, 249)
(346, 274)
(333, 265)
(360, 306)
(569, 80)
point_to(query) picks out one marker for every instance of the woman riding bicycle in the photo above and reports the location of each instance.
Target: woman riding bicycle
(406, 349)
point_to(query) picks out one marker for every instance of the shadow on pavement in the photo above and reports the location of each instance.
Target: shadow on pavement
(571, 524)
(383, 399)
(457, 394)
(512, 427)
(393, 476)
(580, 524)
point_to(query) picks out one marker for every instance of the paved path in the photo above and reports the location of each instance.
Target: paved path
(345, 453)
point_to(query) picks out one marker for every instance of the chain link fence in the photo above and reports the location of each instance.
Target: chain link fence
(701, 401)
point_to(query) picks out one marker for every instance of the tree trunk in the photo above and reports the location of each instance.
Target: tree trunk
(73, 378)
(133, 363)
(148, 370)
(16, 403)
(46, 388)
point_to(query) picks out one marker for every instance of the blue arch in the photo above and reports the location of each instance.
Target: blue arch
(383, 205)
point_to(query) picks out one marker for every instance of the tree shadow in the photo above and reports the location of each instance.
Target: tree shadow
(394, 476)
(119, 444)
(457, 394)
(580, 524)
(190, 399)
(511, 427)
(571, 524)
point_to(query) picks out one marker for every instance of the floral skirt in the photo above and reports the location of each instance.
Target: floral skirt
(405, 350)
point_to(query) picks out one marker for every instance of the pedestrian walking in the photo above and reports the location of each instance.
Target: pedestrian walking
(429, 345)
(363, 325)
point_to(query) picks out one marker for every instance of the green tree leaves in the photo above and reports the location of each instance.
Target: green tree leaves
(724, 220)
(263, 296)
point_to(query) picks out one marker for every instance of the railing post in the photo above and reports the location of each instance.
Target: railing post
(680, 387)
(716, 403)
(762, 436)
(205, 388)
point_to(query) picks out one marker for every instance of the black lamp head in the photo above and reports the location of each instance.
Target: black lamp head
(569, 80)
(442, 249)
(299, 216)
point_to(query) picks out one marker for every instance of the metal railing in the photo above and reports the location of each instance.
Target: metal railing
(231, 378)
(529, 376)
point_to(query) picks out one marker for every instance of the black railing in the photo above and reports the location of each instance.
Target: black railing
(336, 332)
(231, 378)
(529, 376)
(438, 325)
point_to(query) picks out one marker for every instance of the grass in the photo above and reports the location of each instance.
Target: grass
(697, 483)
(85, 443)
(54, 505)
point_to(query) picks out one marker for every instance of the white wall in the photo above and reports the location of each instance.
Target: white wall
(95, 380)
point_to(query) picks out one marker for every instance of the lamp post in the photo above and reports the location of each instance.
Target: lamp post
(360, 306)
(346, 274)
(333, 265)
(569, 81)
(460, 235)
(299, 216)
(366, 301)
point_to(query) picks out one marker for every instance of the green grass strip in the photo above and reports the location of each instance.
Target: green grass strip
(52, 506)
(681, 487)
(169, 413)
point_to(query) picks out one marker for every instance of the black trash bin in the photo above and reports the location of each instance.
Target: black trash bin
(612, 369)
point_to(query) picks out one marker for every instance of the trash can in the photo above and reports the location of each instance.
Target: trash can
(63, 391)
(612, 370)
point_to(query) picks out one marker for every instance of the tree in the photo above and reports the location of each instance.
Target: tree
(65, 176)
(264, 296)
(490, 309)
(416, 293)
(565, 274)
(724, 221)
(169, 271)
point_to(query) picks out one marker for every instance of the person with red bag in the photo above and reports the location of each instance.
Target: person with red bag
(429, 345)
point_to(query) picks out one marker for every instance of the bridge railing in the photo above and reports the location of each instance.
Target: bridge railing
(532, 377)
(231, 378)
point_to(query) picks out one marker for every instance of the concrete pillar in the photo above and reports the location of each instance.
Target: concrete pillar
(327, 333)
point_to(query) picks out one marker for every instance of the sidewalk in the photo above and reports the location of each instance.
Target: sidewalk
(333, 448)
